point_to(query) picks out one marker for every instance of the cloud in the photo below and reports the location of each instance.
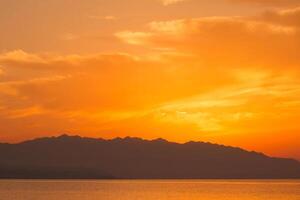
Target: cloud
(264, 40)
(135, 38)
(170, 2)
(26, 112)
(113, 93)
(200, 55)
(259, 53)
(95, 81)
(20, 56)
(106, 17)
(258, 2)
(287, 17)
(252, 105)
(92, 93)
(269, 2)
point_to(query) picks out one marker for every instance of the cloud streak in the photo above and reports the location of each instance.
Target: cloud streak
(170, 2)
(269, 2)
(271, 39)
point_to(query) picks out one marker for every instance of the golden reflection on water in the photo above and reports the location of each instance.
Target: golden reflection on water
(150, 189)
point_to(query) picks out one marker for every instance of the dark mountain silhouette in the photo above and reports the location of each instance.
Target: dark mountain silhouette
(74, 157)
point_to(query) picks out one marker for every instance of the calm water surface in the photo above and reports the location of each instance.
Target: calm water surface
(152, 189)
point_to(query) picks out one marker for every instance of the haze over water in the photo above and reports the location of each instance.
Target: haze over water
(150, 189)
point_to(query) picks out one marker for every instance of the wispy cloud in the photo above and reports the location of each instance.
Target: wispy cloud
(269, 2)
(106, 17)
(170, 2)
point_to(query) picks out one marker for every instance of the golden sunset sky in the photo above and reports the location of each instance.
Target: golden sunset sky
(222, 71)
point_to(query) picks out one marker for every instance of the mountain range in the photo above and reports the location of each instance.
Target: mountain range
(75, 157)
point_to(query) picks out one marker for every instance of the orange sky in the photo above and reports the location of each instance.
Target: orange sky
(223, 71)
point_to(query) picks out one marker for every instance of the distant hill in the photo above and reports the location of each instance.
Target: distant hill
(74, 157)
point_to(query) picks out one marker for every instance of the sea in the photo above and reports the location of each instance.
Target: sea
(149, 189)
